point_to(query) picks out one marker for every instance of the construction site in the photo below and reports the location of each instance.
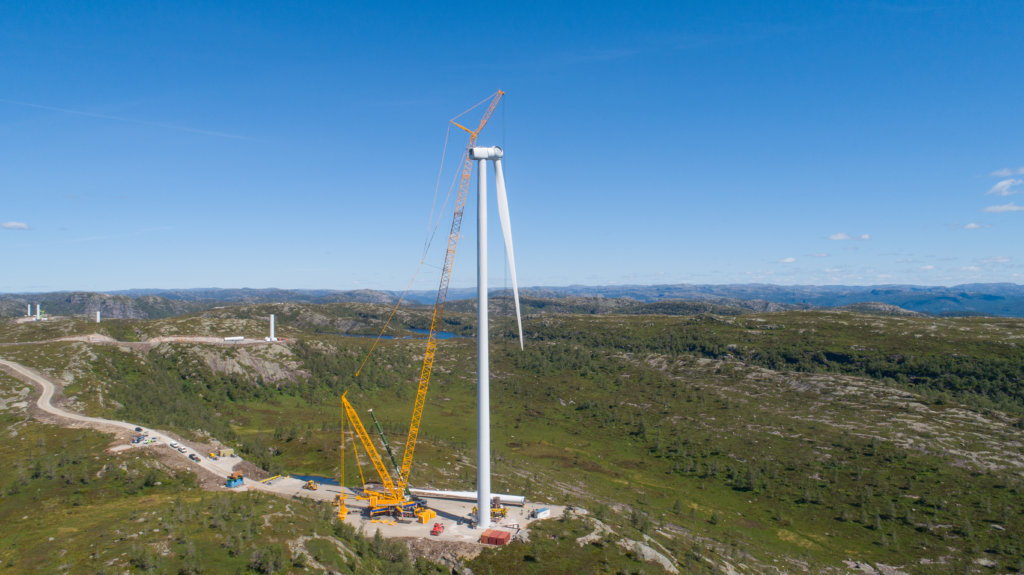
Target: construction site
(386, 498)
(442, 516)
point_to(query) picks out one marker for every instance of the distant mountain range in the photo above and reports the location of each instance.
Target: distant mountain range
(1000, 299)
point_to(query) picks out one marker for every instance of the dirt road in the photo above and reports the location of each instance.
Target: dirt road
(100, 339)
(120, 428)
(453, 514)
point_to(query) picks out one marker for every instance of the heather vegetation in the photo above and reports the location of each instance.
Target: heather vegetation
(71, 508)
(762, 440)
(975, 360)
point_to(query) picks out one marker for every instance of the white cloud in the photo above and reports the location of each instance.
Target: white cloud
(927, 267)
(1010, 207)
(996, 260)
(14, 226)
(819, 255)
(970, 268)
(1005, 172)
(976, 226)
(841, 236)
(1002, 188)
(787, 260)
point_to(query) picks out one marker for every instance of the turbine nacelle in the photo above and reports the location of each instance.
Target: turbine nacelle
(482, 153)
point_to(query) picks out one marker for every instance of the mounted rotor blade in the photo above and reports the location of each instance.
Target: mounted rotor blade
(506, 230)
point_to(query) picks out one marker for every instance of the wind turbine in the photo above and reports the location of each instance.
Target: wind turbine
(482, 156)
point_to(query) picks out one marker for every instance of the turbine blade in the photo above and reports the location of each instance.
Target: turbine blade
(506, 230)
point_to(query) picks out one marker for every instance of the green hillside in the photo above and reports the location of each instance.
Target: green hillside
(768, 442)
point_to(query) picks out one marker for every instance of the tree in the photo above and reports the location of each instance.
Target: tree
(269, 560)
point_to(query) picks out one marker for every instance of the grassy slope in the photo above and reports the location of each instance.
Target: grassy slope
(553, 550)
(681, 442)
(71, 507)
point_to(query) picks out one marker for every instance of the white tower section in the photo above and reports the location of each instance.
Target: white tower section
(272, 337)
(97, 316)
(483, 389)
(29, 312)
(482, 155)
(39, 312)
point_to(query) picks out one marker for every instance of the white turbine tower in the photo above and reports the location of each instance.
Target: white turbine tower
(482, 155)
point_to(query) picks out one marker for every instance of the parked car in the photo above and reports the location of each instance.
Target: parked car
(193, 457)
(138, 429)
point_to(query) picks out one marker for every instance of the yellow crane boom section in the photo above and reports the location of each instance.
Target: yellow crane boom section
(371, 451)
(442, 297)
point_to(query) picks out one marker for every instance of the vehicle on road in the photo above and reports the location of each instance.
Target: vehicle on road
(138, 429)
(193, 457)
(438, 529)
(174, 444)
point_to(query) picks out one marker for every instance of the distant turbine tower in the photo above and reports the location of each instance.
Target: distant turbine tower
(482, 155)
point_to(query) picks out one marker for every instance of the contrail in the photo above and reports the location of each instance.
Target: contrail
(122, 236)
(128, 120)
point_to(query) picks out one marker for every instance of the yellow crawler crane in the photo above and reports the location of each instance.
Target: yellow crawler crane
(391, 500)
(404, 471)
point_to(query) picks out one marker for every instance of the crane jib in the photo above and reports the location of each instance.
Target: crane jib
(442, 297)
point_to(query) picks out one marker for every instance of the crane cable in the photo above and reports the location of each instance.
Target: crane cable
(431, 233)
(427, 242)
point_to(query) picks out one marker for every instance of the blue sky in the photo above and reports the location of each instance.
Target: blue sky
(257, 145)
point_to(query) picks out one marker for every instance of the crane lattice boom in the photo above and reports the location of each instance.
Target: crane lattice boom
(442, 296)
(371, 451)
